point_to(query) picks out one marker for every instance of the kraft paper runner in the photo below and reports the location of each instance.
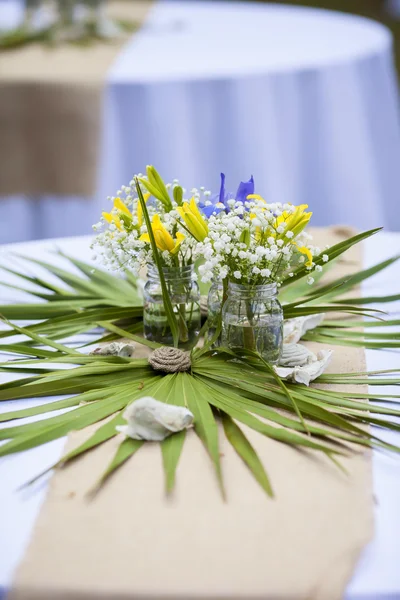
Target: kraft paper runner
(131, 542)
(50, 112)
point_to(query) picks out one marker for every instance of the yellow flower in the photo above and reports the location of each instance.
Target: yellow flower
(255, 197)
(194, 221)
(295, 221)
(113, 217)
(308, 254)
(139, 210)
(163, 238)
(119, 205)
(110, 218)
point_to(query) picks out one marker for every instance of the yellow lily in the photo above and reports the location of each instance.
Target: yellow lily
(119, 205)
(114, 217)
(194, 221)
(295, 221)
(255, 197)
(163, 238)
(110, 218)
(308, 254)
(139, 211)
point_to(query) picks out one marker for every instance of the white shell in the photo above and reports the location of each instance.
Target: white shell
(151, 420)
(295, 355)
(115, 349)
(308, 372)
(294, 329)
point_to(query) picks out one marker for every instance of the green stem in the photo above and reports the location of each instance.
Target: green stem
(248, 332)
(183, 328)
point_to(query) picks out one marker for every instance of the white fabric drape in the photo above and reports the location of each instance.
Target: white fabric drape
(305, 100)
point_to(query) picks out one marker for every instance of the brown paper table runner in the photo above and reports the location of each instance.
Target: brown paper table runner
(131, 542)
(50, 112)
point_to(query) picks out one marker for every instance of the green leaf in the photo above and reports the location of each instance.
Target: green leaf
(125, 450)
(369, 299)
(279, 382)
(57, 427)
(221, 401)
(246, 452)
(301, 311)
(42, 340)
(114, 286)
(172, 446)
(195, 398)
(124, 333)
(39, 410)
(347, 282)
(166, 299)
(104, 433)
(36, 281)
(332, 253)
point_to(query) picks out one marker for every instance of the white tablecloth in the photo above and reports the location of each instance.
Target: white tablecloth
(377, 576)
(305, 100)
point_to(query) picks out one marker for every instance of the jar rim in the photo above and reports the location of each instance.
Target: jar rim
(170, 272)
(247, 287)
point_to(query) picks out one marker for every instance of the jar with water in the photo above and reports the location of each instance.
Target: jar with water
(214, 304)
(185, 299)
(252, 318)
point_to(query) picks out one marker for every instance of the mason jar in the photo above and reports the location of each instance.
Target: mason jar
(214, 304)
(252, 318)
(184, 294)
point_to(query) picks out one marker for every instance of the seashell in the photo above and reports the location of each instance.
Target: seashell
(295, 355)
(115, 349)
(294, 329)
(151, 420)
(126, 350)
(309, 371)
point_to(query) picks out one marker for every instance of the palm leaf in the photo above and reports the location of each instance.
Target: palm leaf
(194, 395)
(221, 385)
(332, 253)
(126, 449)
(172, 446)
(246, 452)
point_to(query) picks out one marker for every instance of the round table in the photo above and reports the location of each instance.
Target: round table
(304, 100)
(377, 576)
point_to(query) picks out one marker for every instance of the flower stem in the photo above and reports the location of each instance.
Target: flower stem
(249, 340)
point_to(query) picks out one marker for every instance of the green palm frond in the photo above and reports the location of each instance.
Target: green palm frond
(225, 392)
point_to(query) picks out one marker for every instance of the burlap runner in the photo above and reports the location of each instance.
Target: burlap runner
(131, 542)
(50, 112)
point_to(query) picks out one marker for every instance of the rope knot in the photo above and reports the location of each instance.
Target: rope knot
(169, 360)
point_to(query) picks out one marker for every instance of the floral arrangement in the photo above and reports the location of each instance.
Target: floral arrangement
(73, 21)
(242, 237)
(251, 371)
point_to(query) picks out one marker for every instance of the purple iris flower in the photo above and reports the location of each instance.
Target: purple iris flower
(245, 188)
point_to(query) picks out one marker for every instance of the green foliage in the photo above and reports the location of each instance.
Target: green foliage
(222, 387)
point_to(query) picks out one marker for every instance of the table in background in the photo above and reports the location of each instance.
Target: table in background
(377, 576)
(303, 99)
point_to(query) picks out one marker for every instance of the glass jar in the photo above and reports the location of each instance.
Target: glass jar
(185, 298)
(214, 304)
(252, 318)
